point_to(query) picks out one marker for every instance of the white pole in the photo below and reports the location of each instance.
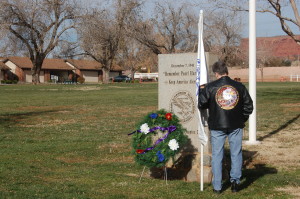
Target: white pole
(252, 70)
(201, 79)
(200, 39)
(202, 169)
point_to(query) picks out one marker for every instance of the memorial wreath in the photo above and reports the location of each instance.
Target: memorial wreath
(159, 137)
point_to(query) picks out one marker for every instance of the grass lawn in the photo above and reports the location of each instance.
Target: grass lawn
(70, 141)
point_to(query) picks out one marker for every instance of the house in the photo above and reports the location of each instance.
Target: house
(59, 70)
(92, 70)
(21, 66)
(4, 70)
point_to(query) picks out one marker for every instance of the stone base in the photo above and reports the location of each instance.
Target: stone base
(186, 167)
(194, 174)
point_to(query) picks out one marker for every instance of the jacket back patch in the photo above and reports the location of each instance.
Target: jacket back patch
(227, 97)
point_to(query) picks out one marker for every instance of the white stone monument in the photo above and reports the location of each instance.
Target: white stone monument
(177, 94)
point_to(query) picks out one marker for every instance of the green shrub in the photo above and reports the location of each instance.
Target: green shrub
(9, 81)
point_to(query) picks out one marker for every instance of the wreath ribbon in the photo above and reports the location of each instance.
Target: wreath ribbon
(170, 129)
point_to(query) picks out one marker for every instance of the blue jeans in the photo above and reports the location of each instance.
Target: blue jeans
(235, 141)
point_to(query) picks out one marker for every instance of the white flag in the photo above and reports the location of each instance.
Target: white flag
(201, 72)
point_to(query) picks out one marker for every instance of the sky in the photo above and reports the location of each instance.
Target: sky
(267, 25)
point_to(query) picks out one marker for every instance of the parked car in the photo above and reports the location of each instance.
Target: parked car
(121, 78)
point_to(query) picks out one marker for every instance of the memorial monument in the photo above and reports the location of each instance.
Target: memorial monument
(177, 94)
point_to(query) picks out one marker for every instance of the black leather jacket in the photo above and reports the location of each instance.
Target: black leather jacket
(228, 102)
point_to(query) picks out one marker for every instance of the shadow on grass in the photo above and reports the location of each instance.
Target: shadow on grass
(280, 128)
(13, 118)
(252, 170)
(181, 166)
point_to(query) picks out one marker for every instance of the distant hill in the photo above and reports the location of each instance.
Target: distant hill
(279, 46)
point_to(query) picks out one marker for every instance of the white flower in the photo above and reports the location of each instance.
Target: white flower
(145, 128)
(173, 144)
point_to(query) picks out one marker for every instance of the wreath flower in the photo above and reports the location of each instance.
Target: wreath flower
(140, 151)
(168, 116)
(153, 115)
(145, 128)
(159, 137)
(173, 144)
(160, 156)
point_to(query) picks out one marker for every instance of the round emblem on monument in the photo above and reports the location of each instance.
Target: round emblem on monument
(227, 97)
(182, 104)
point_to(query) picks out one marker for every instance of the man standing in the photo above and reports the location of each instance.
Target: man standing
(229, 105)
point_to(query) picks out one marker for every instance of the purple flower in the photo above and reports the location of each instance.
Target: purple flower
(160, 156)
(154, 115)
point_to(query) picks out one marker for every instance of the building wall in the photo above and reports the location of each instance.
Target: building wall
(270, 74)
(12, 66)
(1, 75)
(90, 76)
(28, 76)
(114, 74)
(46, 75)
(16, 70)
(42, 77)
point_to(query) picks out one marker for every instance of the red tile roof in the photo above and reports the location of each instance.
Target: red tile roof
(116, 68)
(91, 65)
(85, 64)
(3, 66)
(54, 64)
(61, 64)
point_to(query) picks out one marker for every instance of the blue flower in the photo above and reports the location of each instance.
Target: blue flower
(160, 156)
(154, 115)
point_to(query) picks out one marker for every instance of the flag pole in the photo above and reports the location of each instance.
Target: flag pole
(201, 79)
(252, 71)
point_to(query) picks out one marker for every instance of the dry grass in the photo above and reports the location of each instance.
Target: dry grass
(293, 190)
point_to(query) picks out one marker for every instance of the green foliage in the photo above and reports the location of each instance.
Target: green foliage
(143, 141)
(9, 81)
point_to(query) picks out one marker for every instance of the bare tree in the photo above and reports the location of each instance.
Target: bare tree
(171, 29)
(223, 33)
(102, 30)
(264, 56)
(68, 50)
(273, 7)
(39, 25)
(134, 56)
(3, 41)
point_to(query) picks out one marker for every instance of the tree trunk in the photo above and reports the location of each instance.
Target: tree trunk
(262, 73)
(36, 74)
(132, 75)
(105, 75)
